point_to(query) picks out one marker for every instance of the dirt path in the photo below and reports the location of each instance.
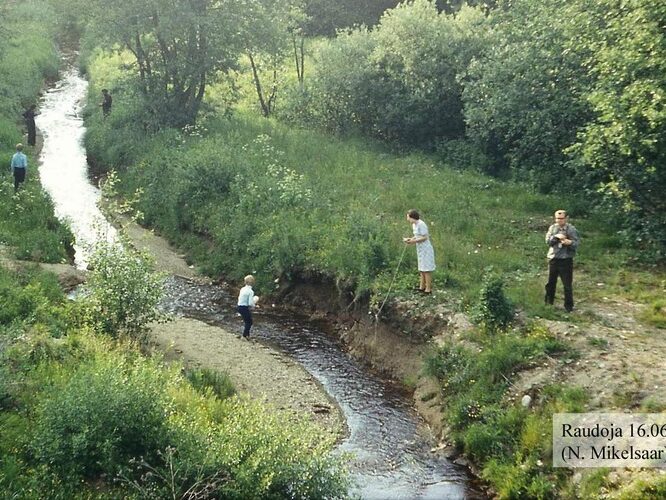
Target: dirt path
(621, 363)
(254, 368)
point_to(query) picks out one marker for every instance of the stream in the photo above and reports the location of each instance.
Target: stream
(390, 445)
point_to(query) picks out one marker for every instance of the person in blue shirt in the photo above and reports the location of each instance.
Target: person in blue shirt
(246, 302)
(19, 166)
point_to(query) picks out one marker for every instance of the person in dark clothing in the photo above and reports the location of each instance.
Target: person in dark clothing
(29, 116)
(562, 238)
(106, 103)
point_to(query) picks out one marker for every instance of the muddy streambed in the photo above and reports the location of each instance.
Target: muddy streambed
(390, 445)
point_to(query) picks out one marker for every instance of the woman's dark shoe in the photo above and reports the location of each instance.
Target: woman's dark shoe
(417, 289)
(427, 292)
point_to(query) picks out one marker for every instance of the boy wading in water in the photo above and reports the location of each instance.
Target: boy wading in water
(246, 302)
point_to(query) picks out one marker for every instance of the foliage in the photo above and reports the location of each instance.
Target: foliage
(246, 194)
(97, 409)
(27, 56)
(625, 143)
(655, 313)
(326, 18)
(28, 296)
(28, 226)
(107, 412)
(122, 292)
(270, 460)
(493, 311)
(649, 488)
(511, 444)
(205, 379)
(399, 81)
(266, 39)
(524, 97)
(178, 49)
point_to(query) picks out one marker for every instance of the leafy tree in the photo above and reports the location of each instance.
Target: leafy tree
(326, 17)
(343, 93)
(178, 48)
(421, 53)
(525, 98)
(625, 144)
(399, 81)
(273, 26)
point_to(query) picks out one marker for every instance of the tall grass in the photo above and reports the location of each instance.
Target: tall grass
(27, 58)
(215, 184)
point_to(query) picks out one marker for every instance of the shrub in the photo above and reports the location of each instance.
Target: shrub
(268, 459)
(111, 410)
(123, 291)
(205, 379)
(493, 311)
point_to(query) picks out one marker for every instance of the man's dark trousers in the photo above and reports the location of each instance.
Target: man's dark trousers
(564, 269)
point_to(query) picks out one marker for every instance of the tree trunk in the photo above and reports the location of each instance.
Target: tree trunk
(265, 110)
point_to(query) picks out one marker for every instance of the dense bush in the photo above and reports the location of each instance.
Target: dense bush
(107, 412)
(493, 311)
(122, 292)
(205, 379)
(29, 295)
(397, 82)
(525, 96)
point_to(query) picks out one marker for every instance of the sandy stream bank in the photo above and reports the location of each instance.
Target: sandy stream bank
(255, 369)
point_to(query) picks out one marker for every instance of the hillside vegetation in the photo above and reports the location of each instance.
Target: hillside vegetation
(84, 413)
(296, 159)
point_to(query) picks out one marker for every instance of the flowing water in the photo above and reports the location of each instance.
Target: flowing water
(391, 447)
(63, 170)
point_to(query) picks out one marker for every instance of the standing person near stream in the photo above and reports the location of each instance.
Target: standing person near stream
(246, 302)
(107, 102)
(29, 116)
(19, 166)
(425, 252)
(562, 240)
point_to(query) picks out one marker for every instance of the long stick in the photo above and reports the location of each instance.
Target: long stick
(395, 274)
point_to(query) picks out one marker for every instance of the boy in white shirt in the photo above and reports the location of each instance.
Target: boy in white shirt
(246, 302)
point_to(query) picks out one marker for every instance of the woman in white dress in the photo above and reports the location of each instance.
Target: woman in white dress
(425, 253)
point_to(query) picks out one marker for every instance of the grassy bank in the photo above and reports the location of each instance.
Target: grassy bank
(28, 229)
(251, 195)
(84, 413)
(244, 194)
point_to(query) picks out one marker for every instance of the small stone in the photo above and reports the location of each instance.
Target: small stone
(526, 401)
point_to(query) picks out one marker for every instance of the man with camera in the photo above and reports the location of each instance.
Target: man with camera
(562, 238)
